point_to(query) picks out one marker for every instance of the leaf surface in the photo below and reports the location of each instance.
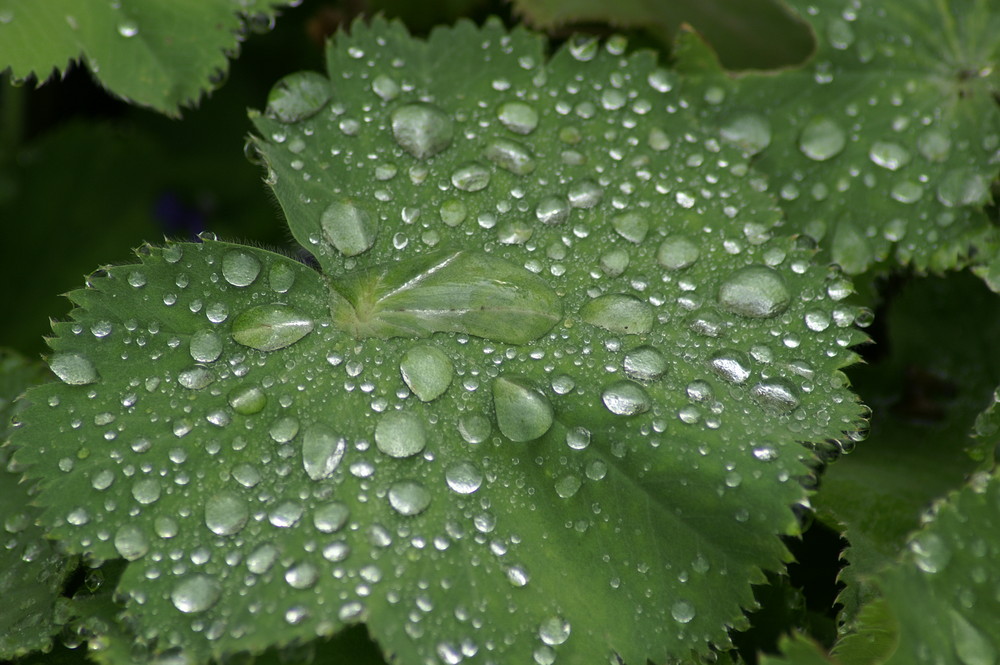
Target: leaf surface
(280, 452)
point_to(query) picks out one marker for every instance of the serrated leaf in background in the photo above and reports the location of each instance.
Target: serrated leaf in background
(884, 146)
(269, 427)
(164, 54)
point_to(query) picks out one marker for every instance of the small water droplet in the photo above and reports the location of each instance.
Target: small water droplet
(552, 210)
(427, 371)
(822, 139)
(281, 277)
(400, 434)
(585, 194)
(453, 212)
(409, 497)
(620, 313)
(755, 291)
(298, 96)
(147, 491)
(615, 262)
(270, 327)
(464, 477)
(73, 369)
(226, 513)
(240, 268)
(839, 33)
(567, 486)
(422, 129)
(578, 438)
(348, 227)
(934, 145)
(322, 451)
(196, 593)
(196, 378)
(302, 575)
(518, 117)
(677, 252)
(385, 87)
(523, 413)
(128, 28)
(206, 346)
(645, 363)
(625, 398)
(554, 630)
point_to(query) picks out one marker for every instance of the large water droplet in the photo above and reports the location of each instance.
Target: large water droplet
(302, 575)
(963, 187)
(518, 117)
(755, 291)
(409, 497)
(625, 398)
(750, 131)
(248, 400)
(645, 363)
(240, 268)
(270, 327)
(322, 451)
(474, 428)
(331, 517)
(889, 155)
(677, 251)
(554, 630)
(206, 346)
(471, 177)
(523, 413)
(73, 369)
(971, 645)
(262, 558)
(196, 593)
(620, 313)
(822, 139)
(348, 227)
(421, 129)
(298, 96)
(930, 552)
(427, 371)
(682, 611)
(400, 434)
(552, 210)
(632, 226)
(196, 378)
(226, 513)
(511, 156)
(131, 543)
(464, 477)
(775, 396)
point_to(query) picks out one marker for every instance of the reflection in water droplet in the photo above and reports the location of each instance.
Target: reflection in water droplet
(554, 631)
(421, 129)
(523, 413)
(625, 398)
(131, 543)
(620, 313)
(302, 575)
(889, 155)
(331, 517)
(631, 225)
(262, 558)
(196, 593)
(474, 428)
(248, 400)
(750, 131)
(644, 363)
(677, 252)
(322, 451)
(348, 227)
(934, 145)
(128, 28)
(775, 396)
(427, 371)
(930, 552)
(206, 346)
(552, 210)
(518, 117)
(464, 477)
(73, 369)
(963, 187)
(270, 327)
(196, 378)
(240, 268)
(682, 611)
(409, 497)
(755, 291)
(298, 96)
(471, 177)
(226, 513)
(567, 486)
(400, 434)
(822, 139)
(146, 491)
(511, 156)
(578, 438)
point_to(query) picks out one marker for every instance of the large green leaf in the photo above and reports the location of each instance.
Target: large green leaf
(159, 53)
(885, 145)
(545, 399)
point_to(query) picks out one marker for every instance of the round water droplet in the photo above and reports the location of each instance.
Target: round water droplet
(302, 575)
(511, 156)
(409, 497)
(240, 268)
(427, 371)
(128, 28)
(348, 227)
(421, 129)
(554, 631)
(644, 363)
(248, 400)
(963, 187)
(755, 291)
(677, 252)
(262, 558)
(331, 517)
(934, 145)
(775, 396)
(518, 117)
(322, 451)
(464, 477)
(196, 593)
(281, 277)
(615, 262)
(567, 486)
(889, 155)
(400, 434)
(474, 428)
(682, 611)
(625, 398)
(750, 131)
(585, 194)
(578, 438)
(226, 513)
(552, 210)
(471, 177)
(146, 491)
(839, 33)
(385, 87)
(206, 346)
(523, 413)
(930, 552)
(270, 327)
(632, 226)
(298, 96)
(131, 543)
(453, 212)
(620, 313)
(73, 369)
(284, 429)
(822, 139)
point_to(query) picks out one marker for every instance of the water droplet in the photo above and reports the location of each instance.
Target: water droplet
(471, 177)
(302, 575)
(578, 438)
(226, 513)
(554, 631)
(625, 398)
(284, 429)
(750, 131)
(889, 155)
(281, 277)
(518, 576)
(331, 517)
(972, 646)
(270, 327)
(518, 117)
(421, 129)
(585, 194)
(615, 262)
(839, 33)
(205, 346)
(620, 313)
(963, 187)
(632, 226)
(511, 156)
(474, 428)
(453, 212)
(240, 268)
(567, 486)
(552, 210)
(523, 413)
(131, 543)
(73, 369)
(644, 363)
(196, 378)
(850, 249)
(682, 611)
(385, 87)
(934, 145)
(822, 139)
(775, 396)
(409, 497)
(298, 96)
(907, 191)
(755, 291)
(930, 552)
(262, 558)
(196, 593)
(676, 252)
(348, 227)
(246, 474)
(464, 477)
(427, 371)
(146, 491)
(322, 451)
(248, 400)
(400, 434)
(128, 28)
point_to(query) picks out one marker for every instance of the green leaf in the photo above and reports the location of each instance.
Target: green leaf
(156, 53)
(797, 649)
(884, 146)
(259, 443)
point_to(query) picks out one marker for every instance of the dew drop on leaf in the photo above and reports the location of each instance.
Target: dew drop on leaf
(409, 497)
(248, 400)
(552, 210)
(822, 139)
(130, 542)
(226, 513)
(518, 117)
(474, 428)
(511, 156)
(682, 611)
(239, 268)
(400, 434)
(196, 378)
(585, 193)
(523, 413)
(632, 226)
(578, 438)
(128, 28)
(298, 96)
(322, 451)
(331, 517)
(281, 278)
(750, 131)
(427, 371)
(302, 575)
(349, 228)
(755, 291)
(963, 187)
(453, 212)
(775, 396)
(146, 491)
(262, 558)
(567, 486)
(270, 327)
(73, 369)
(554, 630)
(206, 346)
(644, 363)
(421, 129)
(471, 177)
(891, 156)
(677, 252)
(464, 478)
(620, 313)
(196, 593)
(934, 145)
(930, 552)
(625, 398)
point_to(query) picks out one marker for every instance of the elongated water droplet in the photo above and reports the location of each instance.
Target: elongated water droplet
(677, 252)
(822, 139)
(934, 145)
(302, 575)
(196, 378)
(262, 558)
(421, 129)
(73, 369)
(270, 327)
(196, 593)
(248, 400)
(511, 156)
(552, 210)
(322, 451)
(471, 177)
(755, 291)
(625, 398)
(427, 371)
(889, 155)
(775, 396)
(409, 497)
(523, 413)
(226, 513)
(620, 313)
(930, 552)
(733, 366)
(239, 268)
(298, 96)
(518, 117)
(474, 428)
(850, 249)
(348, 227)
(400, 434)
(645, 363)
(972, 646)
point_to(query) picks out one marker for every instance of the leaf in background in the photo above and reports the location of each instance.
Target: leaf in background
(164, 54)
(940, 370)
(885, 145)
(31, 571)
(280, 452)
